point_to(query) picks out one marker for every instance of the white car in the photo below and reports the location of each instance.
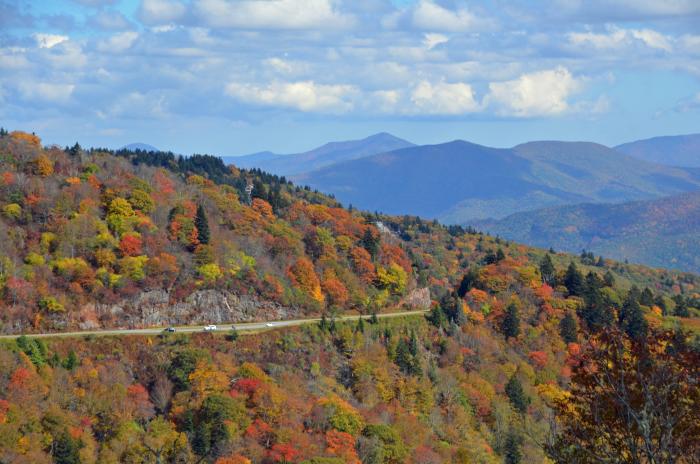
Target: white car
(269, 324)
(209, 328)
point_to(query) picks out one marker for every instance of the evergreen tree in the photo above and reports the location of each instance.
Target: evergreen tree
(595, 312)
(370, 242)
(323, 323)
(407, 361)
(65, 449)
(600, 262)
(568, 328)
(468, 282)
(631, 317)
(373, 318)
(500, 255)
(510, 326)
(609, 279)
(681, 309)
(71, 362)
(573, 280)
(547, 270)
(360, 327)
(647, 297)
(202, 224)
(516, 394)
(511, 448)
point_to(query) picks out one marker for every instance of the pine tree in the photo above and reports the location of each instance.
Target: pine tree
(511, 448)
(510, 326)
(547, 270)
(568, 328)
(609, 279)
(631, 317)
(573, 280)
(202, 225)
(71, 362)
(681, 309)
(370, 242)
(647, 297)
(360, 328)
(500, 255)
(516, 394)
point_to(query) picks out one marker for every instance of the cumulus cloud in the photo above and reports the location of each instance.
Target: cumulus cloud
(111, 20)
(49, 40)
(443, 98)
(118, 43)
(306, 96)
(46, 91)
(428, 15)
(161, 11)
(616, 38)
(540, 93)
(272, 14)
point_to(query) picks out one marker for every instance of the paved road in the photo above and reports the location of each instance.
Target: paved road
(269, 325)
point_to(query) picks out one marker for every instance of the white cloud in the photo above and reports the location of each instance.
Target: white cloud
(432, 39)
(66, 55)
(443, 98)
(112, 20)
(617, 38)
(428, 15)
(118, 42)
(306, 96)
(161, 11)
(286, 67)
(13, 58)
(272, 14)
(49, 40)
(45, 91)
(541, 93)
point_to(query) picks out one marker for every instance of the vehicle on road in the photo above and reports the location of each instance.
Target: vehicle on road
(269, 324)
(169, 329)
(209, 328)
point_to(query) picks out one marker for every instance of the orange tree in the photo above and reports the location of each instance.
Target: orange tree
(631, 401)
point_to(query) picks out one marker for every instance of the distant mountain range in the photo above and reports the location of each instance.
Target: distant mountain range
(663, 232)
(139, 146)
(677, 150)
(458, 181)
(326, 155)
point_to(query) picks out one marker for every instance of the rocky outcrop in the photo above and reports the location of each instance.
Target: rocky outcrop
(155, 308)
(418, 299)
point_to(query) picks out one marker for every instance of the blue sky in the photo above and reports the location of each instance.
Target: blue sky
(237, 76)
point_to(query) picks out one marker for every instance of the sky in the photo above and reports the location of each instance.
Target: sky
(230, 77)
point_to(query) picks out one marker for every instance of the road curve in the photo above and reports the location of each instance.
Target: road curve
(222, 327)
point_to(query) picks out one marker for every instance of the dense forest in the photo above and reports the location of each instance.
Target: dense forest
(525, 355)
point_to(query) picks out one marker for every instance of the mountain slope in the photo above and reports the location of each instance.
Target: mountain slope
(460, 181)
(677, 150)
(663, 232)
(325, 155)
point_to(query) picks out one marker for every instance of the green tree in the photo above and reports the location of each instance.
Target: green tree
(573, 280)
(568, 328)
(370, 242)
(510, 326)
(202, 224)
(511, 448)
(516, 394)
(547, 270)
(631, 318)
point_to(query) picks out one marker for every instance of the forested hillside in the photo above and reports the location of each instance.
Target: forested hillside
(499, 370)
(662, 232)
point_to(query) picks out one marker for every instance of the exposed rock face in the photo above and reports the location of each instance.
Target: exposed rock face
(418, 299)
(155, 308)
